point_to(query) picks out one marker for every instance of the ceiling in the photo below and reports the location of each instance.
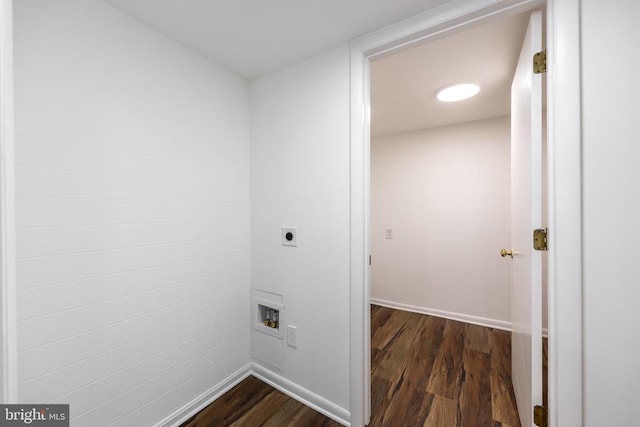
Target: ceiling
(404, 85)
(255, 37)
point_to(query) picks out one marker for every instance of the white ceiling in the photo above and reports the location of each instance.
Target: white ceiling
(255, 37)
(404, 85)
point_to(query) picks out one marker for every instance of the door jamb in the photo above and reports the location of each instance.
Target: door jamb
(564, 189)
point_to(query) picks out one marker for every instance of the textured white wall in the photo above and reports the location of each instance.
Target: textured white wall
(300, 177)
(6, 198)
(611, 209)
(445, 194)
(133, 215)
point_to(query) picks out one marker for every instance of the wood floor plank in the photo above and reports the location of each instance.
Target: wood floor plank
(379, 317)
(443, 413)
(446, 376)
(476, 338)
(475, 396)
(395, 403)
(377, 355)
(307, 417)
(379, 399)
(373, 310)
(503, 402)
(419, 408)
(392, 364)
(425, 351)
(263, 410)
(284, 414)
(230, 406)
(390, 329)
(404, 404)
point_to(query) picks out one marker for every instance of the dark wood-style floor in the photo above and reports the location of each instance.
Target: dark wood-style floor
(253, 403)
(425, 371)
(429, 371)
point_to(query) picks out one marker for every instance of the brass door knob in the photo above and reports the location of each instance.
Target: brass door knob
(504, 253)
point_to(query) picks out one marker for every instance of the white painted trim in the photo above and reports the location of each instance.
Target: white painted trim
(188, 410)
(564, 155)
(450, 17)
(481, 321)
(360, 352)
(564, 180)
(466, 318)
(7, 208)
(302, 395)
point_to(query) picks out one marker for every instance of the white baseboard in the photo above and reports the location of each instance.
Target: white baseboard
(302, 395)
(482, 321)
(289, 388)
(188, 410)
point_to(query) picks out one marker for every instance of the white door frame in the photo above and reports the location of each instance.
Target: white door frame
(564, 189)
(9, 353)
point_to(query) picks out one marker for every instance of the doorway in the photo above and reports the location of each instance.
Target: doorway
(440, 175)
(565, 242)
(440, 197)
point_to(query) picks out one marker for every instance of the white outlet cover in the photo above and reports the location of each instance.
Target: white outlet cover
(292, 336)
(293, 241)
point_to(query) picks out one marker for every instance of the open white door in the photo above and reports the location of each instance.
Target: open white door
(526, 215)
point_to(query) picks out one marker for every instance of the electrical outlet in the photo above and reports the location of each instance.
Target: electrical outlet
(388, 233)
(289, 236)
(292, 336)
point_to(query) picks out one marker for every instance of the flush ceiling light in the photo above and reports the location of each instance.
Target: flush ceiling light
(458, 92)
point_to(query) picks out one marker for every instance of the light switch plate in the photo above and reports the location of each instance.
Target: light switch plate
(388, 233)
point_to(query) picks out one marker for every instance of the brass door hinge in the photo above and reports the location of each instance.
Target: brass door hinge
(540, 239)
(540, 62)
(540, 416)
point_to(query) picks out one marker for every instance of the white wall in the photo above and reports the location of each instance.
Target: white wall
(444, 193)
(7, 282)
(133, 215)
(300, 177)
(611, 210)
